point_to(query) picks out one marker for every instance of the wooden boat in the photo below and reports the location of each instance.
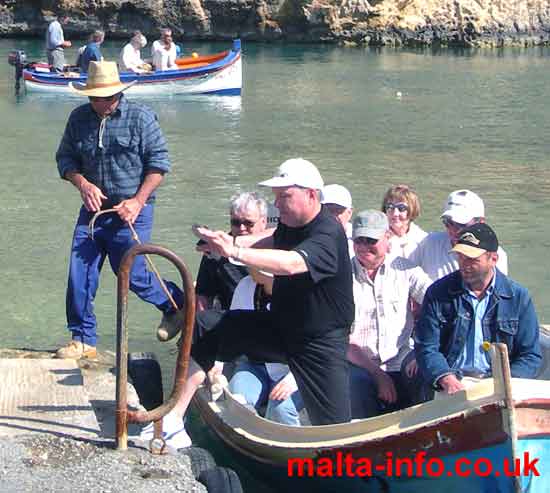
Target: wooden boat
(219, 74)
(496, 420)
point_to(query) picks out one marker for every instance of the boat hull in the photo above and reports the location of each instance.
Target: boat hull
(218, 75)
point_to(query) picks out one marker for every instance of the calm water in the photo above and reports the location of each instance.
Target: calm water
(466, 119)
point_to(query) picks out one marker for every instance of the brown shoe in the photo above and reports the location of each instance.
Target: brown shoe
(170, 325)
(76, 350)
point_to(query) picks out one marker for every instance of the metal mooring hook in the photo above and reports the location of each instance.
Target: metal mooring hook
(123, 414)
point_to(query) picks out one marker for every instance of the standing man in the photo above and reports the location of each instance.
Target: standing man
(92, 52)
(114, 153)
(312, 300)
(477, 303)
(164, 52)
(55, 44)
(462, 208)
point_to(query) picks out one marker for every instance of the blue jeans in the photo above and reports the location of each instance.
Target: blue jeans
(364, 394)
(252, 381)
(112, 238)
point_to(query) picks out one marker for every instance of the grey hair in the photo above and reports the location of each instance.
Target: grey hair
(98, 36)
(246, 201)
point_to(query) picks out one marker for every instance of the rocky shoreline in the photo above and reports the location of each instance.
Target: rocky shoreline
(454, 23)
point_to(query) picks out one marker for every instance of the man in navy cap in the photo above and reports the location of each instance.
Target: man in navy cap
(477, 303)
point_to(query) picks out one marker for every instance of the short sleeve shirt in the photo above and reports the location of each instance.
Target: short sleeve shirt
(219, 278)
(320, 300)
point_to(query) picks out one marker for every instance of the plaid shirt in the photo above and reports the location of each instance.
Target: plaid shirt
(383, 321)
(115, 153)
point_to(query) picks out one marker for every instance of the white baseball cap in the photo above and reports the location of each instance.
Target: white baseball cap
(336, 194)
(296, 172)
(462, 206)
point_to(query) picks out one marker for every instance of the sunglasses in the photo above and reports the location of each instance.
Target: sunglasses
(103, 98)
(448, 223)
(364, 240)
(401, 207)
(242, 222)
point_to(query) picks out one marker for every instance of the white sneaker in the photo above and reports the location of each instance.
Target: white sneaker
(173, 432)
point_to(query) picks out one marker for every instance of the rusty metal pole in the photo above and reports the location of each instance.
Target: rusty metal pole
(123, 415)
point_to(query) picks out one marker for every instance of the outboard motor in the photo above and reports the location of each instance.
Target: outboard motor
(17, 59)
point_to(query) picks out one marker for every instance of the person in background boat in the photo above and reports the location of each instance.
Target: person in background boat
(337, 200)
(312, 301)
(472, 306)
(462, 208)
(114, 153)
(163, 51)
(55, 44)
(130, 56)
(92, 52)
(381, 334)
(402, 206)
(264, 384)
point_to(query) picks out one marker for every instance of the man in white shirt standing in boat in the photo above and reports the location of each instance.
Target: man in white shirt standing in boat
(381, 334)
(55, 44)
(164, 51)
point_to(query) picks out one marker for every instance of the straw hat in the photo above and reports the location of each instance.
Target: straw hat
(103, 81)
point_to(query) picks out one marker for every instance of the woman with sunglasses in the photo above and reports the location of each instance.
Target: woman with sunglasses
(402, 206)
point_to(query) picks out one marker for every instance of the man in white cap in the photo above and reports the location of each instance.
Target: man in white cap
(312, 301)
(462, 208)
(337, 200)
(114, 153)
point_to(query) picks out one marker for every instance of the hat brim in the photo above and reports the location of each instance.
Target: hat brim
(99, 92)
(457, 216)
(468, 250)
(375, 234)
(277, 181)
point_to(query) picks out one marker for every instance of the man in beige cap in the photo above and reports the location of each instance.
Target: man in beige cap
(312, 299)
(114, 153)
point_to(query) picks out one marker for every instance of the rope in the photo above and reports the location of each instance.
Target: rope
(135, 237)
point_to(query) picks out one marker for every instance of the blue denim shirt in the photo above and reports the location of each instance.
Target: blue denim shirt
(131, 146)
(92, 53)
(441, 331)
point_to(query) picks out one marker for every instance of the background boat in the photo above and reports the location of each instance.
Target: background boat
(219, 74)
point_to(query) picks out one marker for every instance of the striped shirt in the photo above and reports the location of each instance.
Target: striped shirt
(114, 153)
(383, 320)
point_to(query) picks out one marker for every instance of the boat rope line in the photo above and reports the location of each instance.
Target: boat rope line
(135, 237)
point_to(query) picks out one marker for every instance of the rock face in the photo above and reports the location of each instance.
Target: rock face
(374, 22)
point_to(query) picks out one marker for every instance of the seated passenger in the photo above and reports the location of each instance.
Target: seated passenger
(130, 56)
(402, 206)
(337, 200)
(92, 51)
(380, 337)
(261, 384)
(164, 52)
(475, 304)
(462, 208)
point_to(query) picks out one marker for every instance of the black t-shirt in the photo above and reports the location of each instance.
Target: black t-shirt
(219, 278)
(320, 300)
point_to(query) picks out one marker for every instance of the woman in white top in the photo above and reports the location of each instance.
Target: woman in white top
(130, 56)
(164, 52)
(402, 206)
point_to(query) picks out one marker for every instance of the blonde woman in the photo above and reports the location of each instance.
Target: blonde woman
(402, 206)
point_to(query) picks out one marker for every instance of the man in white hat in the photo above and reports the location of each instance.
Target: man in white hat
(462, 208)
(114, 153)
(312, 301)
(337, 199)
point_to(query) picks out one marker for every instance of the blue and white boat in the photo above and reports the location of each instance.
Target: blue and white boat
(219, 74)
